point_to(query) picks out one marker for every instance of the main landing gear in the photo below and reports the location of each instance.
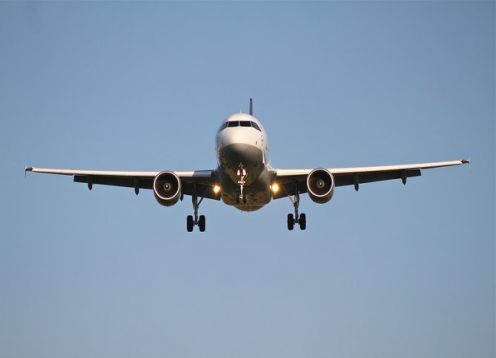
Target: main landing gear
(297, 218)
(196, 220)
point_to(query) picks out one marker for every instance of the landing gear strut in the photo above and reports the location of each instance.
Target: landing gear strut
(241, 173)
(297, 218)
(196, 220)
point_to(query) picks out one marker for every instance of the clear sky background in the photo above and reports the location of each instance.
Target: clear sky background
(390, 271)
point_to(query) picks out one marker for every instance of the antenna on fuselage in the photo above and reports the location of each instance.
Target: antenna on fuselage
(251, 107)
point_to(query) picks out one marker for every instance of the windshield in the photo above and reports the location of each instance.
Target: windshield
(239, 124)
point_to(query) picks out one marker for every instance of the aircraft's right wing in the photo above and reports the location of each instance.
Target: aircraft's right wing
(293, 180)
(202, 179)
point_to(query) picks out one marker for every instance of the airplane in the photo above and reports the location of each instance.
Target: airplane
(244, 177)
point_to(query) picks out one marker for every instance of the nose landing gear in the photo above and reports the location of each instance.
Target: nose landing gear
(241, 174)
(196, 220)
(297, 218)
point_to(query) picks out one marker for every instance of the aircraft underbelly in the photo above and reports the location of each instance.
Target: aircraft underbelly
(256, 197)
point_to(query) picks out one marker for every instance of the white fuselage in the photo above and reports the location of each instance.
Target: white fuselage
(243, 162)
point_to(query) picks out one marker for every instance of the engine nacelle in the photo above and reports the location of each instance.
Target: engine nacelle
(167, 188)
(320, 185)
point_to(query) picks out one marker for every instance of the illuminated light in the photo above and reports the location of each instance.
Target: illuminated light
(216, 189)
(274, 187)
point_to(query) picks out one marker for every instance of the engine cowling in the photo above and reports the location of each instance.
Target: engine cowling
(167, 188)
(320, 185)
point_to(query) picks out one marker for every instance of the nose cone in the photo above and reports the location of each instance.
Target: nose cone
(236, 156)
(238, 135)
(240, 148)
(240, 153)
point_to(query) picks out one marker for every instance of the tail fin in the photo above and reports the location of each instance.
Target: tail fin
(251, 106)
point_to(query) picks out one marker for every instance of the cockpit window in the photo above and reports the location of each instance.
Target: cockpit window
(254, 125)
(239, 124)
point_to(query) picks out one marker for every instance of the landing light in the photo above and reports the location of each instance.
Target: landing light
(216, 189)
(274, 187)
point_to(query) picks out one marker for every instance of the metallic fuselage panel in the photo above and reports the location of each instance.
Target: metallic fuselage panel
(243, 148)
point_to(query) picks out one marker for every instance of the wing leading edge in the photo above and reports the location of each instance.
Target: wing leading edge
(292, 180)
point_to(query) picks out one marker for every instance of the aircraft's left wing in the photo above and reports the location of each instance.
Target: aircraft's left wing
(203, 179)
(293, 180)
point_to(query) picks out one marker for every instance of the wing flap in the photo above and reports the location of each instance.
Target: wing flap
(370, 177)
(124, 181)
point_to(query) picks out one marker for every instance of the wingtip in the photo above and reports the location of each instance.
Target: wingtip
(465, 161)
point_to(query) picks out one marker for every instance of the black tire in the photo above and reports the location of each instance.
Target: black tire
(291, 222)
(202, 223)
(303, 221)
(189, 223)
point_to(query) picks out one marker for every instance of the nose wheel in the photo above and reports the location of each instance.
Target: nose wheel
(193, 220)
(300, 219)
(241, 174)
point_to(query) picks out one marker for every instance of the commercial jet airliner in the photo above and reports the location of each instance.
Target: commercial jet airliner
(244, 177)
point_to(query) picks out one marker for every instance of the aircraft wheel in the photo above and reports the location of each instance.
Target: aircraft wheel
(291, 222)
(189, 223)
(303, 221)
(201, 223)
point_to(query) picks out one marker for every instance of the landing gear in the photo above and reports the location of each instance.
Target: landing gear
(241, 199)
(300, 219)
(191, 220)
(201, 223)
(303, 221)
(189, 223)
(241, 174)
(291, 221)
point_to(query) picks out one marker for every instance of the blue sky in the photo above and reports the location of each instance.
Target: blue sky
(389, 271)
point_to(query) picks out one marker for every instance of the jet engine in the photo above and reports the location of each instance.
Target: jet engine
(320, 185)
(167, 188)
